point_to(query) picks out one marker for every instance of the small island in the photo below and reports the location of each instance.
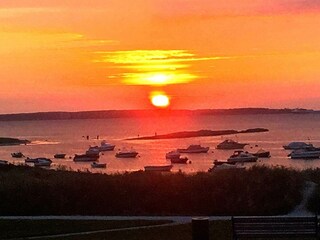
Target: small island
(200, 133)
(5, 141)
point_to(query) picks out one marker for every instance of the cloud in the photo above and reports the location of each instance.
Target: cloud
(311, 5)
(208, 8)
(153, 67)
(27, 41)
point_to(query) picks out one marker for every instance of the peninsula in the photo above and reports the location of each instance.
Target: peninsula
(4, 141)
(200, 133)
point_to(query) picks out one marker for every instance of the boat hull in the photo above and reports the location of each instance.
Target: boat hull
(58, 155)
(230, 147)
(165, 168)
(4, 162)
(36, 164)
(107, 148)
(99, 165)
(85, 158)
(126, 155)
(203, 150)
(308, 155)
(262, 155)
(181, 160)
(240, 160)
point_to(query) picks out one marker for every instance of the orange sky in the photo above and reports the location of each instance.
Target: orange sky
(85, 55)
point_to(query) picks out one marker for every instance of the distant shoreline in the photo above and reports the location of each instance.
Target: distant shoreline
(12, 141)
(200, 133)
(106, 114)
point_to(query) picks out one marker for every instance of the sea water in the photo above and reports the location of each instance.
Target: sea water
(70, 136)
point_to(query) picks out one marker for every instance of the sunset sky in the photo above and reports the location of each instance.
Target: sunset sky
(115, 54)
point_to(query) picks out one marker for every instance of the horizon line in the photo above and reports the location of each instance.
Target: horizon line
(165, 110)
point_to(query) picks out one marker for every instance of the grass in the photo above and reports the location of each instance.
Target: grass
(28, 228)
(220, 230)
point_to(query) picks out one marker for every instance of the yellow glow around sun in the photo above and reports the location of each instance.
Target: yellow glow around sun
(160, 100)
(152, 67)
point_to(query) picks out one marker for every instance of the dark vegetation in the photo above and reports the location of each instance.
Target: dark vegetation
(31, 228)
(258, 191)
(12, 141)
(200, 133)
(314, 201)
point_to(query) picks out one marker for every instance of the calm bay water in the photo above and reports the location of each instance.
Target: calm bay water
(68, 136)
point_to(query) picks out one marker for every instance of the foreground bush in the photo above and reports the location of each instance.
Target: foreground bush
(258, 191)
(313, 204)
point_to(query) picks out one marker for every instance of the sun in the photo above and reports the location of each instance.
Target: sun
(160, 100)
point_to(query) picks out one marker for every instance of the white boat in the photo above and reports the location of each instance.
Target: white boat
(193, 149)
(105, 146)
(262, 154)
(297, 145)
(3, 162)
(225, 166)
(308, 153)
(59, 155)
(85, 158)
(124, 153)
(42, 162)
(173, 154)
(17, 155)
(230, 144)
(218, 162)
(94, 151)
(241, 156)
(158, 168)
(98, 165)
(32, 160)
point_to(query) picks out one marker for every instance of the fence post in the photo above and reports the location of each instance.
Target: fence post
(200, 228)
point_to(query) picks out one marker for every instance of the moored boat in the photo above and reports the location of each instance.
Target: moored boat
(308, 153)
(241, 156)
(217, 162)
(193, 149)
(17, 155)
(30, 160)
(85, 158)
(105, 146)
(297, 145)
(42, 162)
(172, 154)
(179, 160)
(124, 153)
(262, 154)
(158, 168)
(93, 151)
(3, 162)
(98, 165)
(225, 166)
(59, 155)
(230, 144)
